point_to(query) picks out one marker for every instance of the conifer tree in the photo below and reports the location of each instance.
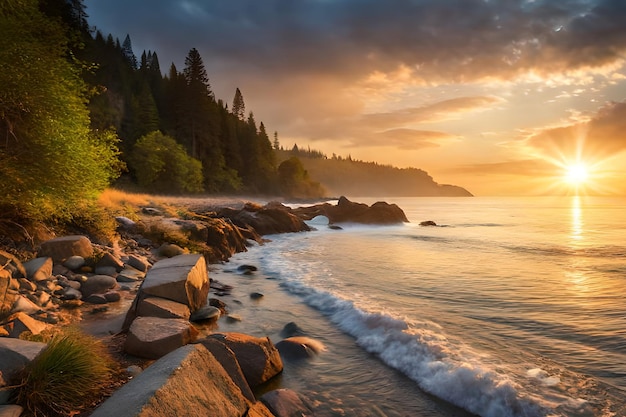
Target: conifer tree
(239, 108)
(127, 49)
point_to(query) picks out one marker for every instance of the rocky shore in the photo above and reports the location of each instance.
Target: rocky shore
(158, 268)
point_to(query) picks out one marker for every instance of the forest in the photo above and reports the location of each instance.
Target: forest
(79, 111)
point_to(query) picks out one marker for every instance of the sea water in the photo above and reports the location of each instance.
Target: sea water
(509, 307)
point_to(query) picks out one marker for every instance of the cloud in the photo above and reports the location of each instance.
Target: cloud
(436, 112)
(405, 139)
(520, 167)
(451, 41)
(599, 137)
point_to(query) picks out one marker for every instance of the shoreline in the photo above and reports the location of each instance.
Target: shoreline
(105, 322)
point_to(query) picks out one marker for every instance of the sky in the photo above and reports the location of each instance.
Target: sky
(498, 96)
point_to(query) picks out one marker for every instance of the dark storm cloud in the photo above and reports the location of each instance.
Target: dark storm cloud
(457, 40)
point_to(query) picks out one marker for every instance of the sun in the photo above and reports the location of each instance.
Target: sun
(576, 174)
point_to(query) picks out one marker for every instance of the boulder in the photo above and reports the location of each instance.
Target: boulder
(286, 403)
(18, 323)
(224, 238)
(15, 354)
(299, 347)
(110, 261)
(162, 308)
(258, 357)
(170, 250)
(226, 357)
(206, 313)
(61, 248)
(10, 263)
(183, 278)
(138, 262)
(97, 284)
(74, 263)
(270, 219)
(39, 269)
(95, 299)
(347, 211)
(153, 337)
(187, 382)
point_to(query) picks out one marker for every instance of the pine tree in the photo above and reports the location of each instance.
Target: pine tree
(276, 143)
(239, 108)
(127, 49)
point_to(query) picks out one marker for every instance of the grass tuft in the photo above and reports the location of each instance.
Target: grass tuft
(65, 377)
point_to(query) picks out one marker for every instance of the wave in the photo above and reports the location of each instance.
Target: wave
(423, 352)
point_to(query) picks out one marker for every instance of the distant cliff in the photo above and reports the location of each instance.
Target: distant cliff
(347, 177)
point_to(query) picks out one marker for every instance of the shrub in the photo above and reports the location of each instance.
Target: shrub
(162, 165)
(65, 376)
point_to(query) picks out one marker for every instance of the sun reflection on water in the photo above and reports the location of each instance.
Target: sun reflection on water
(577, 225)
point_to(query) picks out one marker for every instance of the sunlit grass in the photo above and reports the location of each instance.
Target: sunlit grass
(66, 376)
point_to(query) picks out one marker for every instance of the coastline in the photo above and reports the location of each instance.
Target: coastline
(105, 322)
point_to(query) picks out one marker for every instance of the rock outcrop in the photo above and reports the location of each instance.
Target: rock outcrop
(346, 211)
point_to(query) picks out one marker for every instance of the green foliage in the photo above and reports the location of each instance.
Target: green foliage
(295, 182)
(49, 159)
(65, 376)
(162, 165)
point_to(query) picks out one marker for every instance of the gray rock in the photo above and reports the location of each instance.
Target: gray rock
(286, 403)
(151, 211)
(138, 262)
(170, 250)
(97, 284)
(256, 295)
(163, 308)
(299, 347)
(27, 285)
(205, 313)
(106, 270)
(61, 248)
(19, 323)
(38, 269)
(70, 293)
(112, 296)
(152, 337)
(15, 354)
(125, 222)
(111, 260)
(130, 274)
(183, 278)
(74, 263)
(96, 299)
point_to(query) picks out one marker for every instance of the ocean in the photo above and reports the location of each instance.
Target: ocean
(509, 307)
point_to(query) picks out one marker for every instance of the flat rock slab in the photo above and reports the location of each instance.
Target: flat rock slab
(61, 248)
(153, 337)
(187, 382)
(183, 278)
(162, 308)
(15, 354)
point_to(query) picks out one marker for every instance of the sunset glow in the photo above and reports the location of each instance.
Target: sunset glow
(577, 174)
(481, 94)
